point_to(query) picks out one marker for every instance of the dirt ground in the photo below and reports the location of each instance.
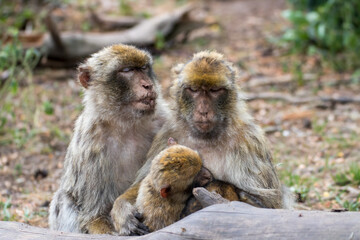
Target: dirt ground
(314, 144)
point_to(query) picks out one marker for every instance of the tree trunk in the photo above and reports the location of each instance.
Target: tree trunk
(223, 221)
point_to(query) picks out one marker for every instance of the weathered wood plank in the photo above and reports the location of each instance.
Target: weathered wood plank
(223, 221)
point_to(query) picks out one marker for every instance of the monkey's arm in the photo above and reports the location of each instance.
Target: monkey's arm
(124, 215)
(265, 190)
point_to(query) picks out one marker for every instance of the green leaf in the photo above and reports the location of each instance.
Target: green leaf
(312, 17)
(48, 108)
(321, 31)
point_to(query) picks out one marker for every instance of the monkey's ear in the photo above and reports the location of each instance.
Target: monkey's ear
(165, 191)
(84, 76)
(171, 141)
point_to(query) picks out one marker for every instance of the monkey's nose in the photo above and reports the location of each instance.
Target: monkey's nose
(147, 86)
(204, 113)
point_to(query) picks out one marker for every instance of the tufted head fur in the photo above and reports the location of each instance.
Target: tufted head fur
(207, 68)
(175, 168)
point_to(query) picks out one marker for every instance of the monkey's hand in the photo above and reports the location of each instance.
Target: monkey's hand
(126, 219)
(100, 225)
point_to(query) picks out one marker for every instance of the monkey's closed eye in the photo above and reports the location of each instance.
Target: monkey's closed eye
(215, 90)
(127, 69)
(194, 90)
(145, 67)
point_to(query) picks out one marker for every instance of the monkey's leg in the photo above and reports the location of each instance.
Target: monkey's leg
(126, 219)
(100, 225)
(250, 199)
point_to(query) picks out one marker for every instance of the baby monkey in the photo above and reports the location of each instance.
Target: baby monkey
(164, 191)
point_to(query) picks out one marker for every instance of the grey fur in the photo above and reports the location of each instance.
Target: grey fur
(108, 147)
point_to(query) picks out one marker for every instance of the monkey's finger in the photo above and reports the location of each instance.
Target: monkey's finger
(143, 227)
(139, 216)
(138, 232)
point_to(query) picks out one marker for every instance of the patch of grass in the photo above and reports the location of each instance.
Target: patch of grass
(319, 127)
(145, 15)
(349, 205)
(18, 169)
(339, 142)
(355, 173)
(352, 176)
(125, 7)
(5, 214)
(341, 179)
(200, 43)
(160, 41)
(28, 214)
(299, 185)
(181, 2)
(48, 108)
(298, 74)
(41, 213)
(86, 26)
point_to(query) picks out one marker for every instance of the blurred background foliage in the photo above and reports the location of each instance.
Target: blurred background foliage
(328, 29)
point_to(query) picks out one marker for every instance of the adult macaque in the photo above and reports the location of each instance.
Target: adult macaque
(210, 116)
(122, 112)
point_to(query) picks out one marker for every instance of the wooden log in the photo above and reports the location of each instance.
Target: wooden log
(207, 198)
(80, 45)
(235, 220)
(112, 23)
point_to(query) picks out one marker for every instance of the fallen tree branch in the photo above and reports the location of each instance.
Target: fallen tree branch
(301, 100)
(111, 23)
(80, 45)
(234, 220)
(54, 33)
(207, 198)
(267, 80)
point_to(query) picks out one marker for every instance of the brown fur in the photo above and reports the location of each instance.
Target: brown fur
(238, 152)
(232, 146)
(175, 168)
(111, 138)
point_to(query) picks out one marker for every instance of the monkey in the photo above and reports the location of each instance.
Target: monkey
(164, 191)
(209, 115)
(123, 110)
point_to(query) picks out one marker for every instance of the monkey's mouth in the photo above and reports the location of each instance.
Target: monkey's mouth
(204, 126)
(146, 103)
